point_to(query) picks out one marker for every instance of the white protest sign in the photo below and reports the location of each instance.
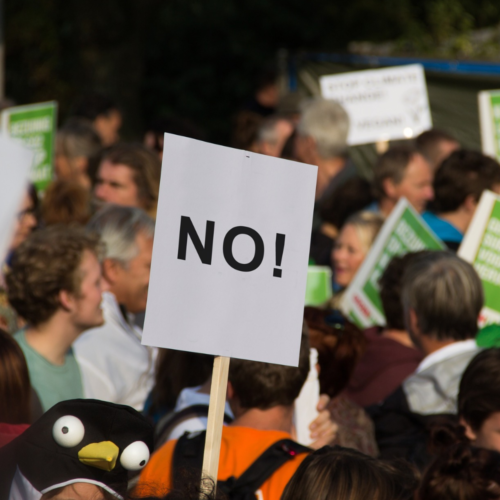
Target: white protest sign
(481, 247)
(489, 121)
(382, 104)
(403, 231)
(15, 165)
(230, 253)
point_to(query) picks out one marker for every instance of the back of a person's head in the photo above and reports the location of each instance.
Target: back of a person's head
(65, 202)
(351, 197)
(428, 143)
(339, 343)
(45, 264)
(391, 165)
(327, 123)
(446, 295)
(118, 227)
(335, 473)
(391, 283)
(464, 173)
(77, 138)
(265, 385)
(94, 104)
(479, 391)
(15, 387)
(146, 168)
(462, 472)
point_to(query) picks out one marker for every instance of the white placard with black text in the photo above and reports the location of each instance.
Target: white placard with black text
(382, 104)
(230, 253)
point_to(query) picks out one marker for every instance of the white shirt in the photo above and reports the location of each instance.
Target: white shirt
(115, 366)
(446, 352)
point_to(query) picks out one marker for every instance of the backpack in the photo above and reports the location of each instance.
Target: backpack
(169, 422)
(188, 455)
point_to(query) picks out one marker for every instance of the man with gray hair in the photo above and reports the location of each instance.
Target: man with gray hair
(322, 140)
(442, 297)
(115, 366)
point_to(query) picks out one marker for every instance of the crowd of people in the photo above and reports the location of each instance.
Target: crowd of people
(407, 410)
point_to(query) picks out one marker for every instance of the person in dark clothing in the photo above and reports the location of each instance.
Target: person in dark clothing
(442, 297)
(390, 355)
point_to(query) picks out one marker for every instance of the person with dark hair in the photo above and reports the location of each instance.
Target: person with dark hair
(461, 472)
(436, 145)
(390, 355)
(458, 184)
(54, 284)
(129, 175)
(442, 297)
(346, 200)
(65, 202)
(261, 396)
(336, 473)
(103, 114)
(76, 144)
(340, 344)
(401, 172)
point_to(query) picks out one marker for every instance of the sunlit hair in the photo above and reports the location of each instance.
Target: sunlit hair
(327, 123)
(446, 294)
(367, 226)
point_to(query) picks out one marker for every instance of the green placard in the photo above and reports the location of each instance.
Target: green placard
(404, 231)
(35, 127)
(319, 285)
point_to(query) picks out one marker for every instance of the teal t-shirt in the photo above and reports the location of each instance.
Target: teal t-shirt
(53, 383)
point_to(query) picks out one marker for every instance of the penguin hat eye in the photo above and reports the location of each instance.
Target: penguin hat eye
(68, 431)
(135, 456)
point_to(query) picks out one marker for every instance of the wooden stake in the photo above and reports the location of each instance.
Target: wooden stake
(216, 409)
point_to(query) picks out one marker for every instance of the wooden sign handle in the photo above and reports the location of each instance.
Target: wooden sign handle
(216, 409)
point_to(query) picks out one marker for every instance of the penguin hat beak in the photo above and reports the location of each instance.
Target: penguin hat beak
(100, 455)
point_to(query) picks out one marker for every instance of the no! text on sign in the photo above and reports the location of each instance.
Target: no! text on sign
(230, 253)
(382, 104)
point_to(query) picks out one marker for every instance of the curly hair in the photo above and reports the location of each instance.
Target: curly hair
(43, 265)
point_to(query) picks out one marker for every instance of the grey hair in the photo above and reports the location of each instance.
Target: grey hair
(78, 138)
(267, 130)
(446, 294)
(327, 123)
(118, 228)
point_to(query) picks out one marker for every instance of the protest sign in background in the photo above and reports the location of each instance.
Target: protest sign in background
(230, 253)
(15, 164)
(319, 285)
(489, 120)
(481, 247)
(382, 104)
(404, 231)
(35, 126)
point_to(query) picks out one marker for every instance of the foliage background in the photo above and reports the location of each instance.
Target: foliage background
(199, 58)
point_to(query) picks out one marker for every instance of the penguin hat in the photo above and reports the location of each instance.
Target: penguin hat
(76, 441)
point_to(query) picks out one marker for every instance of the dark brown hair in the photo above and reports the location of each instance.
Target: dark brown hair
(339, 343)
(265, 385)
(391, 165)
(479, 392)
(66, 202)
(43, 265)
(15, 387)
(334, 473)
(146, 167)
(464, 173)
(428, 143)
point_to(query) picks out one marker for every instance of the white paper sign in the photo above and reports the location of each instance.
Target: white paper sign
(230, 253)
(382, 104)
(15, 166)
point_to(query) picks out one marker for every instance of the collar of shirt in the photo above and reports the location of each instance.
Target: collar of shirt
(446, 352)
(123, 318)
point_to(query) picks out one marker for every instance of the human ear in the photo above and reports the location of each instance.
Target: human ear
(470, 204)
(390, 189)
(66, 300)
(111, 271)
(469, 432)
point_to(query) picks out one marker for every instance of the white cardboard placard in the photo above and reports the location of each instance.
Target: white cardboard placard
(15, 165)
(215, 307)
(382, 104)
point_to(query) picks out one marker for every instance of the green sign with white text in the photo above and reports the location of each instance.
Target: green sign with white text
(404, 231)
(35, 127)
